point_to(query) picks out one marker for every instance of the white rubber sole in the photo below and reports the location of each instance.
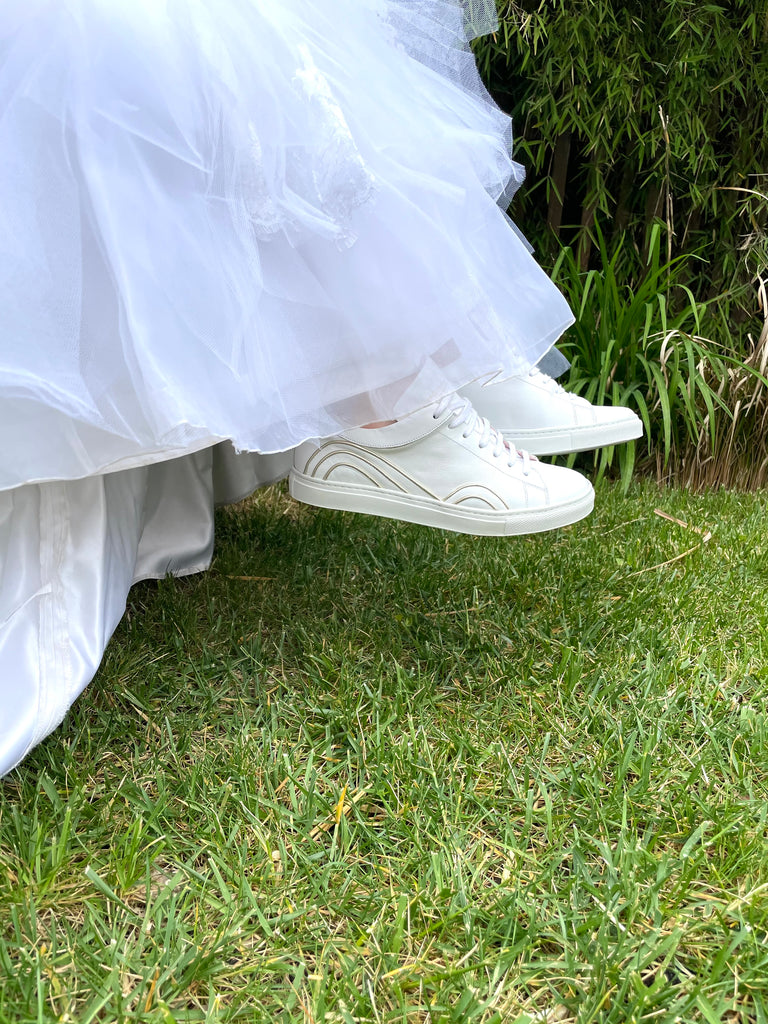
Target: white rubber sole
(431, 512)
(559, 441)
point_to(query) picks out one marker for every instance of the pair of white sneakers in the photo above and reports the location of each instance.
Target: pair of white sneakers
(446, 466)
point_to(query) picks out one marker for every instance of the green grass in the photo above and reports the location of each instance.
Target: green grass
(363, 771)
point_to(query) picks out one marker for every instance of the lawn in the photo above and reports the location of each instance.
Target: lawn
(363, 771)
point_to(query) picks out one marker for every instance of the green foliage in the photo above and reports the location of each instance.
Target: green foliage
(630, 111)
(637, 342)
(645, 129)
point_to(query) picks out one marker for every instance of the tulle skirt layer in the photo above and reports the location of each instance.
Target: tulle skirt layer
(246, 220)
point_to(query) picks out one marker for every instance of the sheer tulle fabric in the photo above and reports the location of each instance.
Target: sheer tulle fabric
(249, 220)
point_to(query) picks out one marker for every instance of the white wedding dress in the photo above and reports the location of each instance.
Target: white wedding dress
(223, 227)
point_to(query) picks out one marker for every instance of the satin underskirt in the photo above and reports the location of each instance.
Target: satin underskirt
(71, 550)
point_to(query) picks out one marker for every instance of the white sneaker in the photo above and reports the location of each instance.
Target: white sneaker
(540, 416)
(442, 466)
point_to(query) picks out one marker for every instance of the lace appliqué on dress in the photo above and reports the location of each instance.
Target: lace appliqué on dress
(260, 205)
(340, 177)
(327, 173)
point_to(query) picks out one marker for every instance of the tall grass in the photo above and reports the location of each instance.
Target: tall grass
(733, 450)
(638, 342)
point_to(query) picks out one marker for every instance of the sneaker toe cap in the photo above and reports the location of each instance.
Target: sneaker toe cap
(558, 484)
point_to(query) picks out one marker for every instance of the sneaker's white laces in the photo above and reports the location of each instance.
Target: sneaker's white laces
(549, 382)
(463, 413)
